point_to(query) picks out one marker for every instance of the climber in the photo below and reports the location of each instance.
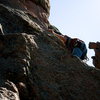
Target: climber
(75, 45)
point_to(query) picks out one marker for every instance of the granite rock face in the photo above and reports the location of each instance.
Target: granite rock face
(34, 63)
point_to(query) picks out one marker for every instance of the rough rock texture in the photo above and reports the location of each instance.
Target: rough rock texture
(35, 65)
(17, 16)
(8, 91)
(96, 58)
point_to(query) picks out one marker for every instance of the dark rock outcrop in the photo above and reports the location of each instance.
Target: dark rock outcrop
(96, 58)
(34, 64)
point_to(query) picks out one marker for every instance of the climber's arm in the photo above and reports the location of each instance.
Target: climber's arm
(62, 37)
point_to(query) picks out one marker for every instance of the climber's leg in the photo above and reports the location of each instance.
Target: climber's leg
(77, 52)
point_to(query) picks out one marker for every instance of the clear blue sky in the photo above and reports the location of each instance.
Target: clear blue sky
(77, 18)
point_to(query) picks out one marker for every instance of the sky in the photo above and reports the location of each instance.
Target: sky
(77, 18)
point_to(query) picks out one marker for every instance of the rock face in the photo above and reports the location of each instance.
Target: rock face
(17, 16)
(34, 64)
(96, 58)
